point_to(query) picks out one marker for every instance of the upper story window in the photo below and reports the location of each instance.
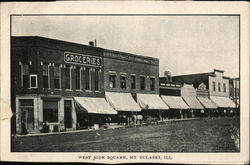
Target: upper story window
(87, 78)
(112, 80)
(133, 82)
(123, 81)
(219, 87)
(78, 78)
(25, 76)
(142, 82)
(97, 80)
(224, 87)
(45, 67)
(57, 76)
(67, 77)
(152, 84)
(214, 87)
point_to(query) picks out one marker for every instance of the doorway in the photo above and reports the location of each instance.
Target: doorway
(68, 113)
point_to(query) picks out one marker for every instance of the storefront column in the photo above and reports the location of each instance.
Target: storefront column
(40, 113)
(18, 117)
(36, 109)
(74, 117)
(61, 115)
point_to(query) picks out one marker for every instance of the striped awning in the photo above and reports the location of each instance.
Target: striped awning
(192, 102)
(223, 102)
(175, 102)
(93, 105)
(122, 101)
(206, 102)
(151, 101)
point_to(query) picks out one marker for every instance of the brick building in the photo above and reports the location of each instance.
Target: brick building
(62, 85)
(130, 78)
(49, 77)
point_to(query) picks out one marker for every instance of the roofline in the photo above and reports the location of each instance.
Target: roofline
(56, 40)
(194, 74)
(218, 70)
(131, 54)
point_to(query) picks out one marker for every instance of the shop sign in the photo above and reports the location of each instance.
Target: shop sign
(82, 59)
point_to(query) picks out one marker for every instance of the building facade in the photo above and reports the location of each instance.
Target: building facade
(234, 89)
(46, 75)
(215, 83)
(62, 85)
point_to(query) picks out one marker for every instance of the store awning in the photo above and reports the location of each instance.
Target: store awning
(206, 102)
(93, 105)
(192, 102)
(122, 101)
(151, 101)
(223, 102)
(175, 102)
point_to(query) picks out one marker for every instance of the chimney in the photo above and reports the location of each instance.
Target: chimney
(91, 43)
(168, 76)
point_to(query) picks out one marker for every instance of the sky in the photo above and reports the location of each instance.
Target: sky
(183, 44)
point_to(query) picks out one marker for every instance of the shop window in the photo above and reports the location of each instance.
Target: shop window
(33, 81)
(112, 81)
(224, 87)
(78, 78)
(214, 87)
(152, 84)
(219, 87)
(45, 68)
(25, 76)
(123, 81)
(68, 77)
(57, 76)
(133, 82)
(97, 80)
(87, 78)
(50, 111)
(142, 82)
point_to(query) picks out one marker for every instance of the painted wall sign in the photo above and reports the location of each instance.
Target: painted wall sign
(82, 59)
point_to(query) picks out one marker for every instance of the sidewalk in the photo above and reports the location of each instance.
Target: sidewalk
(110, 127)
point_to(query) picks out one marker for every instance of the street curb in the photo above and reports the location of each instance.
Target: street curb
(118, 127)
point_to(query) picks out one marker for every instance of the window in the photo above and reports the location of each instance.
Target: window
(224, 87)
(219, 87)
(33, 81)
(123, 81)
(97, 86)
(142, 82)
(67, 77)
(68, 113)
(50, 111)
(78, 78)
(214, 86)
(25, 76)
(133, 82)
(112, 81)
(45, 75)
(152, 84)
(87, 78)
(57, 76)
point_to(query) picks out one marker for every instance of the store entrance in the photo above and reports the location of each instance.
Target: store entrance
(68, 113)
(27, 116)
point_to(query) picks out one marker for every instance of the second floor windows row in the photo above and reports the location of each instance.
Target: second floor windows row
(58, 76)
(132, 78)
(219, 87)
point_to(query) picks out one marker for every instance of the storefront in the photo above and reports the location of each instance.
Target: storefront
(226, 106)
(189, 95)
(178, 108)
(125, 106)
(152, 105)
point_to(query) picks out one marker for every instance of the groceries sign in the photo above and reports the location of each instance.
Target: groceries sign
(82, 59)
